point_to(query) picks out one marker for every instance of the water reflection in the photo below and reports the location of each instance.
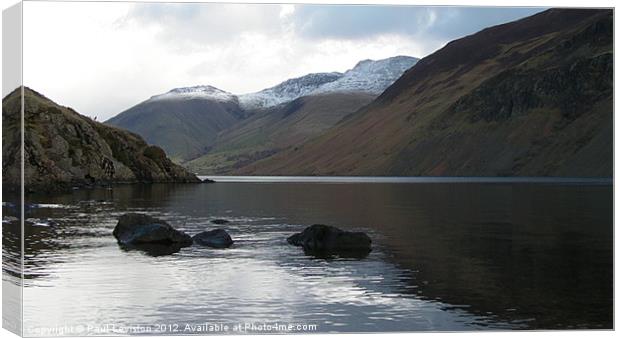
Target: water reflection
(11, 262)
(445, 257)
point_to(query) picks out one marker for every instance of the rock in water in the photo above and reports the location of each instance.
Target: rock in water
(325, 240)
(220, 221)
(138, 229)
(217, 238)
(154, 249)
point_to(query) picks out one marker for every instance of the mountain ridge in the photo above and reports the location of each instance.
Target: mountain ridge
(195, 92)
(287, 90)
(368, 75)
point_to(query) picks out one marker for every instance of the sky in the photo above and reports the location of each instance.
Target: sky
(103, 58)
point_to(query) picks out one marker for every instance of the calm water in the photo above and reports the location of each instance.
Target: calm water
(447, 256)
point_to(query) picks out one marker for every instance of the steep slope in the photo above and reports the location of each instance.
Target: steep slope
(528, 98)
(275, 129)
(63, 149)
(183, 121)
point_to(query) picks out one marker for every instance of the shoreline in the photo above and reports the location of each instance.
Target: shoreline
(408, 180)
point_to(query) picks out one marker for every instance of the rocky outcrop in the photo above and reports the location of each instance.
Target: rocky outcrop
(143, 232)
(571, 88)
(325, 240)
(63, 149)
(217, 238)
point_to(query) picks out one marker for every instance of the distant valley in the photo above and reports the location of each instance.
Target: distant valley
(531, 97)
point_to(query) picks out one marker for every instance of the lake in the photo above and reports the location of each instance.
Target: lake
(451, 254)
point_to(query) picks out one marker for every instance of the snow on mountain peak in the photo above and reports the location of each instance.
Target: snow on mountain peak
(367, 76)
(287, 91)
(196, 92)
(370, 76)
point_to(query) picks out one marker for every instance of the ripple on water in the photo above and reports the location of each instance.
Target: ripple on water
(78, 274)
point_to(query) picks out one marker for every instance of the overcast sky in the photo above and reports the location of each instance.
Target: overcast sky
(102, 58)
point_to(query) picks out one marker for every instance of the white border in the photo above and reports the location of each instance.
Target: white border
(507, 3)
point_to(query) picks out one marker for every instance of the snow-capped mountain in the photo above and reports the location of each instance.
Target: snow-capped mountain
(367, 76)
(196, 92)
(183, 121)
(188, 122)
(287, 91)
(370, 76)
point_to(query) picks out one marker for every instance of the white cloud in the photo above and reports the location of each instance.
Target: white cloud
(286, 10)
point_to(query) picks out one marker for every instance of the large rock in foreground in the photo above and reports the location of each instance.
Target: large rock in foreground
(139, 229)
(217, 238)
(326, 240)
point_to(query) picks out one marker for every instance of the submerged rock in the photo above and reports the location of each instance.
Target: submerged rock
(138, 229)
(217, 238)
(325, 240)
(9, 219)
(154, 249)
(220, 221)
(41, 222)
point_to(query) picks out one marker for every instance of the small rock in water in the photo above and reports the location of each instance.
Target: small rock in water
(220, 221)
(137, 229)
(40, 222)
(45, 223)
(8, 205)
(9, 219)
(217, 238)
(325, 241)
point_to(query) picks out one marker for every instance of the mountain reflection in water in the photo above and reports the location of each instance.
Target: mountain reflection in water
(446, 256)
